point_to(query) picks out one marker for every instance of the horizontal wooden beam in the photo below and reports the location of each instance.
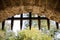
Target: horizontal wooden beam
(27, 18)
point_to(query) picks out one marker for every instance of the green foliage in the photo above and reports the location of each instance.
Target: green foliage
(7, 35)
(44, 24)
(2, 35)
(10, 36)
(32, 34)
(27, 34)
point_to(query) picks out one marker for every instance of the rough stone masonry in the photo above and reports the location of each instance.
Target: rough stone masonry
(49, 8)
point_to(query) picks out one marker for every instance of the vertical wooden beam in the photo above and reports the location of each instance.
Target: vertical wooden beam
(48, 24)
(39, 22)
(21, 21)
(3, 23)
(12, 20)
(57, 25)
(30, 20)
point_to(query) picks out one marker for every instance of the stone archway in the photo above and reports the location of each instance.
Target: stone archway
(49, 8)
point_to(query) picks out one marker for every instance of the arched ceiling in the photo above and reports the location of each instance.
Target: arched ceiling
(49, 8)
